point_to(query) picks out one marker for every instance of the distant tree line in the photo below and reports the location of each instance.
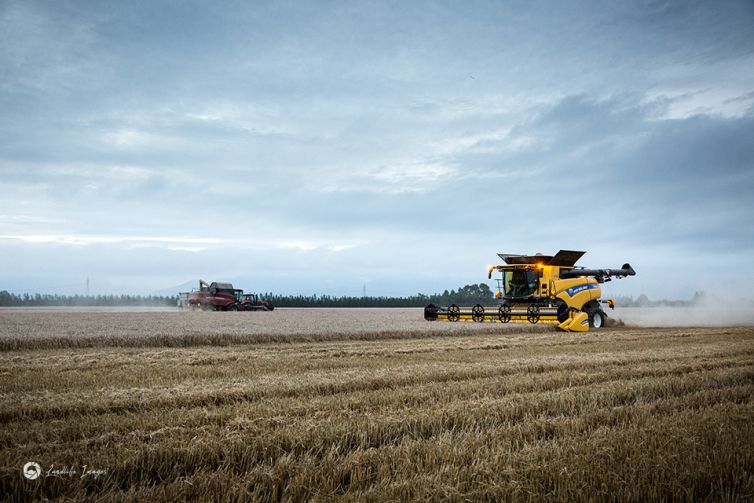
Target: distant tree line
(38, 300)
(644, 301)
(467, 295)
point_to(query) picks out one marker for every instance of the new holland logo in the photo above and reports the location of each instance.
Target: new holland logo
(578, 289)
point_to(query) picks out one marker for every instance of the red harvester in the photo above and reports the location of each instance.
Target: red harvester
(223, 297)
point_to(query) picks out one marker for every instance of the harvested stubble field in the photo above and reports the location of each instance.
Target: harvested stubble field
(370, 405)
(48, 329)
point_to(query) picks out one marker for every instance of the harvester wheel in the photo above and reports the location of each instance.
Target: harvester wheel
(532, 313)
(208, 307)
(504, 313)
(453, 313)
(477, 313)
(596, 319)
(233, 307)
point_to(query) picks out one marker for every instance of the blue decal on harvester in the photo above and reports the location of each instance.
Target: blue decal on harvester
(580, 288)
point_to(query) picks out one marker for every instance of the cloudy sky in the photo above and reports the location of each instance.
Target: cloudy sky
(323, 146)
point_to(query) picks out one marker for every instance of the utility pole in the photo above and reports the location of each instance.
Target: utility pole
(364, 291)
(87, 286)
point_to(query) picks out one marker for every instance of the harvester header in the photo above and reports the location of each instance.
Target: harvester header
(541, 289)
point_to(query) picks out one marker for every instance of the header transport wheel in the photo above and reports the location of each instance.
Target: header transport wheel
(532, 313)
(504, 313)
(454, 313)
(477, 313)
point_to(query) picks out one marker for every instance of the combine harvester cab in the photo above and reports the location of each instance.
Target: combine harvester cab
(541, 289)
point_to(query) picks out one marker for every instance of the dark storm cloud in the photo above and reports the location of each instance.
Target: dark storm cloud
(691, 178)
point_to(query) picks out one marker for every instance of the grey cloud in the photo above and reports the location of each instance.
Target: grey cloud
(547, 126)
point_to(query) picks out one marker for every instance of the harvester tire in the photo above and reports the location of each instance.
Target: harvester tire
(208, 307)
(504, 313)
(596, 319)
(454, 313)
(233, 307)
(532, 313)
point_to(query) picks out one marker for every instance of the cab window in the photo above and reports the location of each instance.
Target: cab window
(520, 282)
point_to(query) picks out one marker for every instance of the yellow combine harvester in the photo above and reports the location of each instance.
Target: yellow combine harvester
(541, 289)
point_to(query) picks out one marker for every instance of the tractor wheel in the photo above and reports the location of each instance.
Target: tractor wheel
(270, 307)
(233, 307)
(248, 307)
(596, 319)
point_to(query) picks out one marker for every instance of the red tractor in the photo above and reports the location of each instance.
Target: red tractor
(223, 297)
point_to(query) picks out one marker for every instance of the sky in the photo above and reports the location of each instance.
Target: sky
(393, 147)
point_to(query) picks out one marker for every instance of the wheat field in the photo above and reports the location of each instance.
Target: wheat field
(369, 405)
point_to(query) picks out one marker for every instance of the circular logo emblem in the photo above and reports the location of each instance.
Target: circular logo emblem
(32, 470)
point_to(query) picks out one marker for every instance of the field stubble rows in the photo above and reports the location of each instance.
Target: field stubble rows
(472, 413)
(48, 329)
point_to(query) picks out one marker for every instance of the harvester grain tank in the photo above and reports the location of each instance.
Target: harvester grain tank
(541, 289)
(218, 296)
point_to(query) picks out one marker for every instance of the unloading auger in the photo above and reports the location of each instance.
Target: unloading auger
(541, 289)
